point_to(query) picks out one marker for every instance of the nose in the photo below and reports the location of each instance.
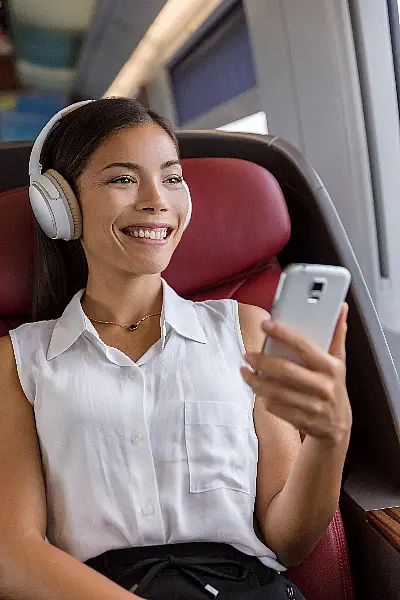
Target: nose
(151, 199)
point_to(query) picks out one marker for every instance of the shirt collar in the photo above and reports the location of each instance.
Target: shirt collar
(177, 313)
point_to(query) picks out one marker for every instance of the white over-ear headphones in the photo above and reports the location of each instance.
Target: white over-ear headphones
(53, 201)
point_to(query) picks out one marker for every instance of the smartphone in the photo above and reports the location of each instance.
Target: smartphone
(308, 299)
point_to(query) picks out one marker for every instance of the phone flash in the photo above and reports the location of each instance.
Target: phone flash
(316, 290)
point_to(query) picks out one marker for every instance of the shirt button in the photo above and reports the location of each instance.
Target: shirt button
(147, 510)
(136, 437)
(131, 374)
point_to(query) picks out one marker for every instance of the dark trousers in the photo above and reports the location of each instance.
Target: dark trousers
(193, 571)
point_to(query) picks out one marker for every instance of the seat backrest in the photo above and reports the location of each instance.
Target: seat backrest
(240, 224)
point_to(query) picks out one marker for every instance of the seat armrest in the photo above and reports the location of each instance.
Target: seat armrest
(380, 500)
(372, 491)
(387, 522)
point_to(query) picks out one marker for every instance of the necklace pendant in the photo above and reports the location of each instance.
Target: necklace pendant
(133, 327)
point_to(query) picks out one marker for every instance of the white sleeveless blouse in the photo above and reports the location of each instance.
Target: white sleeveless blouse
(160, 451)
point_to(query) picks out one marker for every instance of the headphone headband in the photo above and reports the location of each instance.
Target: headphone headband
(35, 168)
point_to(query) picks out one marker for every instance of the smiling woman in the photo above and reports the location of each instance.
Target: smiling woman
(98, 167)
(141, 444)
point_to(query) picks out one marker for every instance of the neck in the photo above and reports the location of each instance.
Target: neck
(123, 302)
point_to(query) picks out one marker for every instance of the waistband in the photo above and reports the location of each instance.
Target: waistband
(136, 568)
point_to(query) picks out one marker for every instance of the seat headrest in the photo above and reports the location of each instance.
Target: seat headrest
(239, 219)
(16, 252)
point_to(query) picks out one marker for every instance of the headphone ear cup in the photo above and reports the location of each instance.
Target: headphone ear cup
(71, 199)
(189, 212)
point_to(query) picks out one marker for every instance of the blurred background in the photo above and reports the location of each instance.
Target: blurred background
(324, 76)
(40, 46)
(54, 53)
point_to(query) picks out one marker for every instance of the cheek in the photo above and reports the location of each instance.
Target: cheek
(99, 211)
(182, 208)
(97, 227)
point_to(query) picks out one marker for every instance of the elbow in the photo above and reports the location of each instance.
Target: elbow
(293, 554)
(291, 560)
(291, 547)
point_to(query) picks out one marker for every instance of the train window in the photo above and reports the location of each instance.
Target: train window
(255, 123)
(217, 69)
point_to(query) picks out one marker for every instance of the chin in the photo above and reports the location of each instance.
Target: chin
(147, 267)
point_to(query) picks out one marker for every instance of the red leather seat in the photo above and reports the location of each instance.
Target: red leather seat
(240, 223)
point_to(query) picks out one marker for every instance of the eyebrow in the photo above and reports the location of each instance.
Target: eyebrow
(135, 167)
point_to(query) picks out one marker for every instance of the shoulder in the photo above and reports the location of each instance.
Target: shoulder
(216, 309)
(8, 370)
(251, 318)
(29, 337)
(6, 351)
(34, 328)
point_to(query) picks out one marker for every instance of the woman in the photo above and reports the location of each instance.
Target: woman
(133, 448)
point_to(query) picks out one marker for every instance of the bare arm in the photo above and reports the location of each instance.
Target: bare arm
(298, 485)
(31, 568)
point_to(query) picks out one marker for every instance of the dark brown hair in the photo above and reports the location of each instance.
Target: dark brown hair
(60, 267)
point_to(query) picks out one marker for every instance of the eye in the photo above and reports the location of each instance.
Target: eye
(174, 179)
(123, 179)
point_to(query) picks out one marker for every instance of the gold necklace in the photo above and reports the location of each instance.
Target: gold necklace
(128, 327)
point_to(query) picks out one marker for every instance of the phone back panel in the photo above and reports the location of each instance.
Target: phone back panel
(301, 305)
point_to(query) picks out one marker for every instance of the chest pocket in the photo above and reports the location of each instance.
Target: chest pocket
(216, 436)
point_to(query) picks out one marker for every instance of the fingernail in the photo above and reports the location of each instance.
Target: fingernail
(268, 325)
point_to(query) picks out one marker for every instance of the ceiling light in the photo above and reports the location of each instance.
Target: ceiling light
(169, 31)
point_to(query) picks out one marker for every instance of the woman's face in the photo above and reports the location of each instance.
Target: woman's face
(132, 182)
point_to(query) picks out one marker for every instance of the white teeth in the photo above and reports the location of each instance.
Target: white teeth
(158, 234)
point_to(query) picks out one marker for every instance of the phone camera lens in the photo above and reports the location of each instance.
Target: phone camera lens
(318, 286)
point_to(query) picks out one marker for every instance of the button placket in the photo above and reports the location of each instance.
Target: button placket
(144, 489)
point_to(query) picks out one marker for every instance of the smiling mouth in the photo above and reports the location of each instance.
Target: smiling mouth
(147, 234)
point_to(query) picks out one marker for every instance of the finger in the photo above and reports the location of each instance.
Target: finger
(291, 415)
(273, 392)
(314, 358)
(338, 344)
(287, 373)
(291, 405)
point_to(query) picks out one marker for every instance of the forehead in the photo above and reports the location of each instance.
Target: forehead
(144, 144)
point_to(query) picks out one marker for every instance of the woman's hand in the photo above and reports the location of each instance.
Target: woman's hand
(313, 398)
